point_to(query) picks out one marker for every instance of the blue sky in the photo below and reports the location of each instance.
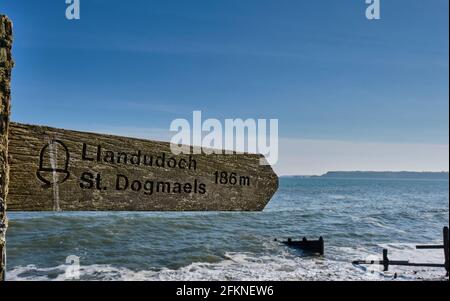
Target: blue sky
(320, 67)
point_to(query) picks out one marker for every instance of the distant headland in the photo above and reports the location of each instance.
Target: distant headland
(383, 175)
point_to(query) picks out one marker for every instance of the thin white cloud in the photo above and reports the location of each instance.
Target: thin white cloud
(129, 131)
(315, 157)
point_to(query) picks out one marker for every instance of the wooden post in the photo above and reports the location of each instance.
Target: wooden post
(446, 248)
(385, 260)
(6, 64)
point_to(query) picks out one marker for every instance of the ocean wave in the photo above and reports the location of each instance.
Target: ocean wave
(244, 267)
(353, 217)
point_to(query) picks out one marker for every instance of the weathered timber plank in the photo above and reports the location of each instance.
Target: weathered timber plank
(182, 183)
(6, 65)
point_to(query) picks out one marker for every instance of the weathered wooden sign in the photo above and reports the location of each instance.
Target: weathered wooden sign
(55, 169)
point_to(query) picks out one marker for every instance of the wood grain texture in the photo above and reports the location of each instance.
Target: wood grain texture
(183, 183)
(6, 65)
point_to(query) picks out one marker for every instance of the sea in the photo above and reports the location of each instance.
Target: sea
(357, 218)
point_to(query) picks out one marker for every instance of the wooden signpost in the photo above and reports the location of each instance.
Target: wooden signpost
(54, 169)
(6, 64)
(49, 169)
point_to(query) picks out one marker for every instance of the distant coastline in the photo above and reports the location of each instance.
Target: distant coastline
(381, 175)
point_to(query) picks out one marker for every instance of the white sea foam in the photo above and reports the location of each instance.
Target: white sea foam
(247, 267)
